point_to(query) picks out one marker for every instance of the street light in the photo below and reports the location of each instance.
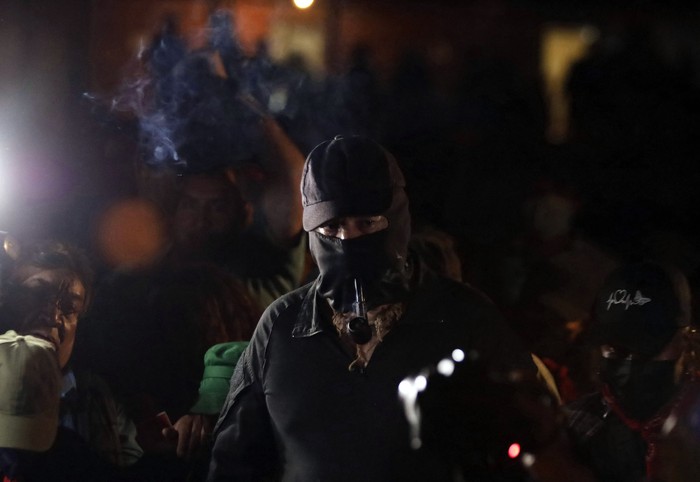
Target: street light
(303, 4)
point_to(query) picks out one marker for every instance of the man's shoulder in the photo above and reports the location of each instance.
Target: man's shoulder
(288, 302)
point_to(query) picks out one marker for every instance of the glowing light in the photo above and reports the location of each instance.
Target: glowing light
(302, 4)
(669, 424)
(528, 460)
(9, 179)
(420, 383)
(446, 367)
(406, 388)
(458, 355)
(416, 443)
(131, 234)
(514, 450)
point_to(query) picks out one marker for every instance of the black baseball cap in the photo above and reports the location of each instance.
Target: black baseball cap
(348, 176)
(640, 307)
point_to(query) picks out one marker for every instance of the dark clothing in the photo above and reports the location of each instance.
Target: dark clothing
(614, 446)
(89, 409)
(603, 442)
(295, 410)
(70, 459)
(153, 360)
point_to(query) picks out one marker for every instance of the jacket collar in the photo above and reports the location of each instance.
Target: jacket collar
(314, 314)
(310, 318)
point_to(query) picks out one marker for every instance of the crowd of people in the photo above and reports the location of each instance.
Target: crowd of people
(300, 322)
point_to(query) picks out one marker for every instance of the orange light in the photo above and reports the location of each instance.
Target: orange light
(132, 234)
(514, 450)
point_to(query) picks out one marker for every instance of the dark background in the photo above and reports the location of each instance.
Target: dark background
(456, 89)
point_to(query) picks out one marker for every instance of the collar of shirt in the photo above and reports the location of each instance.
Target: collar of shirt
(69, 383)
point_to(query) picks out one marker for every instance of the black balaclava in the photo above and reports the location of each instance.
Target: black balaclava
(641, 388)
(354, 176)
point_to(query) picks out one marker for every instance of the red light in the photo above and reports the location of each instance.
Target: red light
(514, 450)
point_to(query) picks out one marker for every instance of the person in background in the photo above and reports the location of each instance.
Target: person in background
(30, 386)
(49, 288)
(458, 407)
(436, 250)
(641, 328)
(246, 220)
(314, 396)
(189, 310)
(192, 432)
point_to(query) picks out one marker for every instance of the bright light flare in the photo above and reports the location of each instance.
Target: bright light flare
(303, 4)
(446, 367)
(7, 178)
(514, 450)
(528, 460)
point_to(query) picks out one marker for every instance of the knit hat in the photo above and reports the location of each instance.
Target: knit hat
(30, 386)
(348, 176)
(640, 307)
(219, 362)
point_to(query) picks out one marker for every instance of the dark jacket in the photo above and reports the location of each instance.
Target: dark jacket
(296, 412)
(603, 442)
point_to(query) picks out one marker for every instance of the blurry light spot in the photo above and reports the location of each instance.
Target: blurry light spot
(420, 383)
(528, 460)
(277, 101)
(302, 4)
(159, 153)
(668, 425)
(515, 375)
(416, 443)
(446, 367)
(514, 450)
(131, 234)
(458, 355)
(406, 387)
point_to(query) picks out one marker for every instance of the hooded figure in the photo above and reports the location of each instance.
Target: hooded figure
(355, 177)
(310, 398)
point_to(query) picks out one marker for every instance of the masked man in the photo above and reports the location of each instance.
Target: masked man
(315, 395)
(642, 316)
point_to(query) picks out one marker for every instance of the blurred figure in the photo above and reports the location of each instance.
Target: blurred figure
(437, 250)
(49, 289)
(245, 219)
(488, 425)
(641, 328)
(192, 432)
(153, 354)
(548, 278)
(222, 169)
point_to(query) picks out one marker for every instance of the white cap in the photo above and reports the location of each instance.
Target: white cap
(30, 387)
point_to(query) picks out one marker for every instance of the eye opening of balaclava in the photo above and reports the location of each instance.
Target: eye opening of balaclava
(355, 176)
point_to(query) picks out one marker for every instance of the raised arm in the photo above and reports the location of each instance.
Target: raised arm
(279, 195)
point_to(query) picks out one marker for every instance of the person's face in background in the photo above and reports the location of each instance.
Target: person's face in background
(208, 214)
(48, 305)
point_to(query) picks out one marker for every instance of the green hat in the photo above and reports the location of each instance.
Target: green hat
(219, 362)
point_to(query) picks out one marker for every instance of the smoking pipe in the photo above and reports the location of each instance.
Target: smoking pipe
(358, 326)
